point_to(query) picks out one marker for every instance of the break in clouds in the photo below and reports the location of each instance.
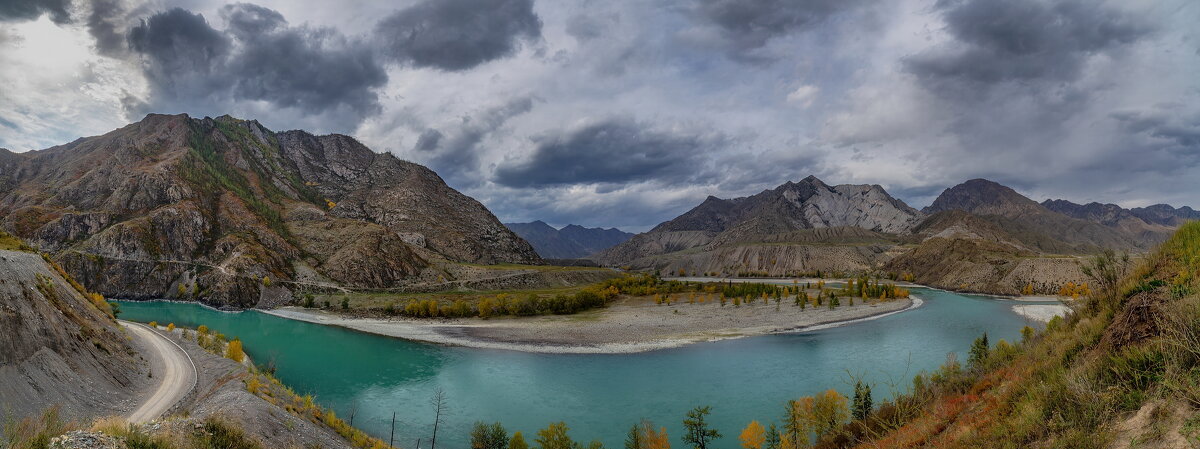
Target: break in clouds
(626, 113)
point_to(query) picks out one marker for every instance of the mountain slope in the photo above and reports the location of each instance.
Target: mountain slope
(217, 209)
(1118, 218)
(570, 242)
(58, 347)
(792, 207)
(1025, 216)
(1119, 372)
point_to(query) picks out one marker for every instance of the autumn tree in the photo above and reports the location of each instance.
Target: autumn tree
(488, 436)
(797, 422)
(753, 436)
(234, 351)
(696, 431)
(654, 439)
(518, 441)
(555, 436)
(829, 411)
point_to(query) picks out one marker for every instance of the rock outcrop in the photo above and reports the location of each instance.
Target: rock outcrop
(227, 212)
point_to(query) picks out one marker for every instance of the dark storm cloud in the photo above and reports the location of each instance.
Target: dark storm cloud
(458, 34)
(248, 20)
(455, 154)
(613, 151)
(103, 24)
(258, 57)
(180, 52)
(749, 24)
(1023, 40)
(1165, 128)
(32, 9)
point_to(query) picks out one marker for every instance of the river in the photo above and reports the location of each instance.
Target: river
(599, 396)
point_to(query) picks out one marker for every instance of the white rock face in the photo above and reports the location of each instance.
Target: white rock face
(862, 206)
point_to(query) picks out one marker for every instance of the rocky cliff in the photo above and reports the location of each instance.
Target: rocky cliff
(230, 213)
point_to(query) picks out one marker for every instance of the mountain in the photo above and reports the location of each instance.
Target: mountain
(228, 212)
(1049, 231)
(1121, 219)
(1166, 215)
(570, 242)
(774, 231)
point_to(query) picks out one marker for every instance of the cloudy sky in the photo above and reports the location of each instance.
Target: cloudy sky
(628, 112)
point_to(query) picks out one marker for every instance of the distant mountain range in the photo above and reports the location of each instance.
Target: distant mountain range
(570, 242)
(978, 236)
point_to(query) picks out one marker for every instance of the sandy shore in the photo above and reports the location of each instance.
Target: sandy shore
(623, 327)
(1041, 312)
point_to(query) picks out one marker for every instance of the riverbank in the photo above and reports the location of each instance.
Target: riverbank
(1041, 312)
(627, 326)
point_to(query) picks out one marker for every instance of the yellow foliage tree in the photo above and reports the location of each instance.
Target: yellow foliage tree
(753, 436)
(171, 327)
(652, 439)
(234, 351)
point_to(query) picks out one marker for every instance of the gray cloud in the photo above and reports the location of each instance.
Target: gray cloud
(258, 57)
(32, 9)
(612, 151)
(458, 34)
(749, 24)
(455, 153)
(1023, 40)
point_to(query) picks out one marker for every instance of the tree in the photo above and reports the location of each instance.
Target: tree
(979, 350)
(488, 436)
(633, 440)
(1026, 333)
(652, 439)
(829, 411)
(696, 433)
(518, 441)
(555, 436)
(862, 404)
(438, 401)
(797, 422)
(345, 303)
(753, 436)
(234, 351)
(772, 440)
(266, 281)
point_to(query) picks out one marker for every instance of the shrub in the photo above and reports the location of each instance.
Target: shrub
(234, 351)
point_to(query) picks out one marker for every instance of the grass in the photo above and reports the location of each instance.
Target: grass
(1067, 386)
(8, 242)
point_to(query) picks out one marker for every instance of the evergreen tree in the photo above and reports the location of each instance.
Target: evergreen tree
(979, 350)
(862, 401)
(696, 433)
(633, 440)
(772, 438)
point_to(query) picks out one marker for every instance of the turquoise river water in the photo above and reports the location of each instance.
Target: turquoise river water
(598, 396)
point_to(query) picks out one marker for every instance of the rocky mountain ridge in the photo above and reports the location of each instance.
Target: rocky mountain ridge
(976, 236)
(230, 213)
(570, 242)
